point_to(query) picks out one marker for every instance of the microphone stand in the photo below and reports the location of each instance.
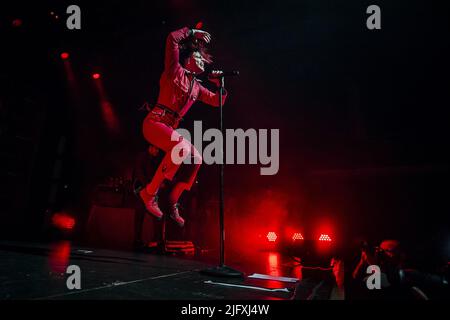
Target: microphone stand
(222, 270)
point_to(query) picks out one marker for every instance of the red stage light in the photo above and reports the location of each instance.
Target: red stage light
(64, 55)
(297, 236)
(199, 25)
(273, 266)
(17, 22)
(96, 76)
(63, 221)
(324, 237)
(59, 256)
(272, 236)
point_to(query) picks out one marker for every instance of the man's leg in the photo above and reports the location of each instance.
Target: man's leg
(165, 138)
(185, 184)
(176, 192)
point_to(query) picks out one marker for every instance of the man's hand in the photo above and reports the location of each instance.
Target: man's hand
(216, 81)
(201, 35)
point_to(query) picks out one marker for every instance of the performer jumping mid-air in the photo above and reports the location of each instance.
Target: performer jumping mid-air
(185, 58)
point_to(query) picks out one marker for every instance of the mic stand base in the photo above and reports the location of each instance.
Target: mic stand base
(222, 271)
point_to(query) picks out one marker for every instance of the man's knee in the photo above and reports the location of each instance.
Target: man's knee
(189, 153)
(197, 157)
(185, 149)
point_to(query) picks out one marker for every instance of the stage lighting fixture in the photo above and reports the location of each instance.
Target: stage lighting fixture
(271, 236)
(297, 236)
(324, 237)
(63, 221)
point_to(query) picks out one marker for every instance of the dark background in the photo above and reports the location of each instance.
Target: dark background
(363, 115)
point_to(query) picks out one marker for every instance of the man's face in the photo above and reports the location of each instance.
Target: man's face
(196, 63)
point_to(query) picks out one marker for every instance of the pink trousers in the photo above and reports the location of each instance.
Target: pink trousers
(166, 138)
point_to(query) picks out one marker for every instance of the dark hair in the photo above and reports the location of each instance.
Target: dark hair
(191, 45)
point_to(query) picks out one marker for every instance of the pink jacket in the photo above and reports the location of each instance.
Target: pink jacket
(175, 83)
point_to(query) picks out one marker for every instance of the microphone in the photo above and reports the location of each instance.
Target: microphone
(223, 74)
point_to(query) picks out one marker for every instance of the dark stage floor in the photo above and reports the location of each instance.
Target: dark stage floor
(38, 271)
